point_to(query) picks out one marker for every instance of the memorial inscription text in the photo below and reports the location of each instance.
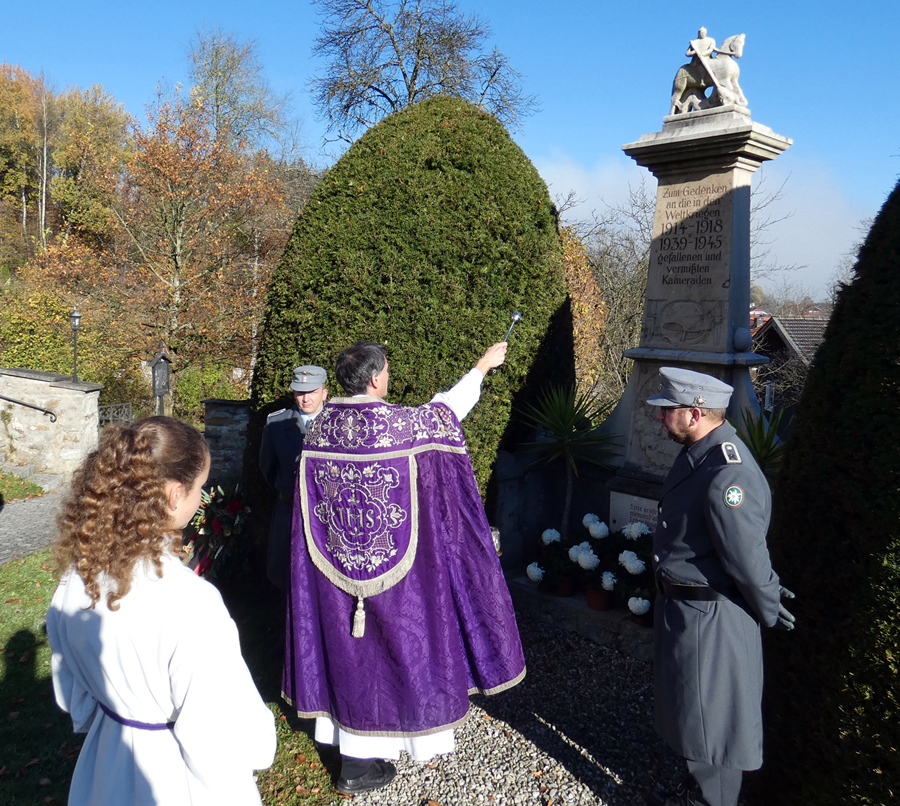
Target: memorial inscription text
(691, 234)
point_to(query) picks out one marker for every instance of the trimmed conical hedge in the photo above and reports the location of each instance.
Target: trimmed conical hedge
(832, 685)
(425, 235)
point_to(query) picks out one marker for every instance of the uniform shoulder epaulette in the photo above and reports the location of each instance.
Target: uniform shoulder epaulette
(275, 414)
(730, 451)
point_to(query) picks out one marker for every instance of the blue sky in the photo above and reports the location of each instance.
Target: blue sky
(823, 74)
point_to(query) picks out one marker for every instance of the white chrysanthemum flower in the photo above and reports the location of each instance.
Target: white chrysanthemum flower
(632, 563)
(635, 530)
(638, 606)
(550, 536)
(588, 560)
(598, 530)
(534, 572)
(575, 553)
(609, 580)
(588, 519)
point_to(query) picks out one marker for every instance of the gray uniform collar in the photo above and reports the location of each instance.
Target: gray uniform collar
(701, 449)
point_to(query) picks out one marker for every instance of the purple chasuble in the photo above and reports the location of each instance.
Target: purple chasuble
(397, 608)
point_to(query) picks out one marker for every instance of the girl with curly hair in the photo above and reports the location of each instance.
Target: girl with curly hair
(145, 656)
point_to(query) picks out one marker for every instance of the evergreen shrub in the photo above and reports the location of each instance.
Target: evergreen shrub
(425, 236)
(832, 685)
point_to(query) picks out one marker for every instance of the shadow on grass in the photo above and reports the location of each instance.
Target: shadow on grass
(39, 749)
(303, 773)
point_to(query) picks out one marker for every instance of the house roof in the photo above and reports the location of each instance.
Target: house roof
(802, 335)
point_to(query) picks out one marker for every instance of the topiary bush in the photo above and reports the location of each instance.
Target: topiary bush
(832, 686)
(426, 235)
(588, 311)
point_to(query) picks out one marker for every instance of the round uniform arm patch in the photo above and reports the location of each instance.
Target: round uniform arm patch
(734, 496)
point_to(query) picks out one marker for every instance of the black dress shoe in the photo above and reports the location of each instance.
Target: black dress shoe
(685, 794)
(380, 774)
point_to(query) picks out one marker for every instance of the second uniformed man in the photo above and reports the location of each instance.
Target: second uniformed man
(715, 586)
(279, 455)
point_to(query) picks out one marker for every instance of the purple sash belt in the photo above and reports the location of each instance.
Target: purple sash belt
(133, 723)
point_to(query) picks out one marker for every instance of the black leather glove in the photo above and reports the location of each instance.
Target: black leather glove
(785, 617)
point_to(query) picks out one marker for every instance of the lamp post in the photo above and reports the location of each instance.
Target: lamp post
(75, 322)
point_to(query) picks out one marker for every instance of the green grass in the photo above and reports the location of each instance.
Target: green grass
(37, 746)
(38, 749)
(12, 488)
(299, 775)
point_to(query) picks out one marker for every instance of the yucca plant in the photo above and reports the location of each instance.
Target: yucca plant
(761, 437)
(567, 422)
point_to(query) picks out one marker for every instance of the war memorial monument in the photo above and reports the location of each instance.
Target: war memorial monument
(697, 300)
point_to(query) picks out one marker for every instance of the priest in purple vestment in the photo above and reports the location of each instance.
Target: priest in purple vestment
(397, 608)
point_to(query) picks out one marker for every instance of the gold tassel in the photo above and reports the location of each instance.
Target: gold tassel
(359, 620)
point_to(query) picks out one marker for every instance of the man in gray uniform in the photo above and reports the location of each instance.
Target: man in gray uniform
(715, 586)
(279, 455)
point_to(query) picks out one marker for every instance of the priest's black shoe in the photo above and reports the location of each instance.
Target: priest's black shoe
(380, 774)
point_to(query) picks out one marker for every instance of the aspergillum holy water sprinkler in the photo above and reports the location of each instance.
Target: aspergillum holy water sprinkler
(516, 317)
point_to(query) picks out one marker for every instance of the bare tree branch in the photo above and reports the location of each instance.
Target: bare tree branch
(230, 86)
(762, 219)
(385, 55)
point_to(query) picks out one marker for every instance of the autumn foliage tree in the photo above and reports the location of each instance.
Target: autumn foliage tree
(91, 150)
(588, 311)
(193, 226)
(164, 231)
(185, 218)
(18, 155)
(228, 83)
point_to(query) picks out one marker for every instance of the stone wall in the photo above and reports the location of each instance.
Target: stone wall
(225, 429)
(31, 437)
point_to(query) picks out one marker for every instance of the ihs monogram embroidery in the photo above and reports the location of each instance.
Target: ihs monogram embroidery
(357, 513)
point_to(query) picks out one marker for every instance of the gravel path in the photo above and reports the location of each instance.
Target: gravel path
(578, 730)
(28, 525)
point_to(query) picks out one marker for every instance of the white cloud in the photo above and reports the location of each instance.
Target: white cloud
(604, 184)
(822, 229)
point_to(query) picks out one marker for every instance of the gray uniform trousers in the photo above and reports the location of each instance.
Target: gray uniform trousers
(279, 455)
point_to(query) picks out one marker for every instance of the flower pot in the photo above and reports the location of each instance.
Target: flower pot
(565, 587)
(646, 620)
(599, 599)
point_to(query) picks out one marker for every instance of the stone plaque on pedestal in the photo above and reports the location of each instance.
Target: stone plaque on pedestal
(625, 509)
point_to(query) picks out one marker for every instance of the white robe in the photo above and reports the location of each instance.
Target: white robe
(170, 653)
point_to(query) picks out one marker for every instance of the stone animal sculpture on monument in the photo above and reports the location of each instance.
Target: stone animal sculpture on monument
(710, 66)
